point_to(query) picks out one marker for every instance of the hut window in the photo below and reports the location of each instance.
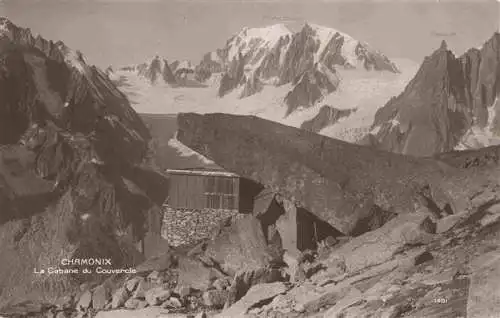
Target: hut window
(220, 193)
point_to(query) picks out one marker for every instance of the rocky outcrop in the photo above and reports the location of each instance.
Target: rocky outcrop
(255, 295)
(421, 274)
(208, 66)
(450, 103)
(65, 192)
(359, 253)
(326, 116)
(157, 70)
(311, 87)
(233, 77)
(241, 246)
(185, 74)
(483, 293)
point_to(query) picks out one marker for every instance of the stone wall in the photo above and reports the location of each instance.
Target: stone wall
(185, 226)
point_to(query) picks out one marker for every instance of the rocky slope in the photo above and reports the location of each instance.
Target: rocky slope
(72, 183)
(423, 262)
(308, 60)
(418, 264)
(452, 273)
(450, 104)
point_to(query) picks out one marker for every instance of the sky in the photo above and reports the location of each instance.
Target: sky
(124, 32)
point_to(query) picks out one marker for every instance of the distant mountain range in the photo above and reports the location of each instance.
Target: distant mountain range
(274, 73)
(256, 57)
(323, 80)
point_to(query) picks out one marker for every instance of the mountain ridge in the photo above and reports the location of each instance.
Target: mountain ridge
(451, 103)
(73, 182)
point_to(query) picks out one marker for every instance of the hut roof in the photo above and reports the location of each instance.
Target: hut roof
(202, 172)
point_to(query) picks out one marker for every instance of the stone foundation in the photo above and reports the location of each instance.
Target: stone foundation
(186, 226)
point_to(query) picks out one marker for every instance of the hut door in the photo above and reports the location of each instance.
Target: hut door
(306, 234)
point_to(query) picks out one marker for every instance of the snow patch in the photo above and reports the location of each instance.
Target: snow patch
(214, 56)
(375, 130)
(72, 59)
(271, 34)
(256, 39)
(96, 161)
(185, 151)
(395, 123)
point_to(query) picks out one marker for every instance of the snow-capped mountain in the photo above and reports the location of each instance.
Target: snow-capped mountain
(451, 103)
(10, 33)
(310, 60)
(252, 43)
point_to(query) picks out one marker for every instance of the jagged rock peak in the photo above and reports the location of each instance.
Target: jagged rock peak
(455, 97)
(157, 68)
(444, 45)
(54, 50)
(493, 41)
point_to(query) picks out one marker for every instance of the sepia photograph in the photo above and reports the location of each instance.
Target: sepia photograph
(249, 159)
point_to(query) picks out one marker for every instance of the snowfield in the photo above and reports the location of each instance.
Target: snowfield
(366, 91)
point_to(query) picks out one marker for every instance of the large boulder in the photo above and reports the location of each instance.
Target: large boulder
(379, 246)
(484, 290)
(255, 295)
(244, 280)
(193, 273)
(341, 183)
(241, 246)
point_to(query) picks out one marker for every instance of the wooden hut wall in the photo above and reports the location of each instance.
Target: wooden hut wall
(187, 191)
(201, 191)
(196, 192)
